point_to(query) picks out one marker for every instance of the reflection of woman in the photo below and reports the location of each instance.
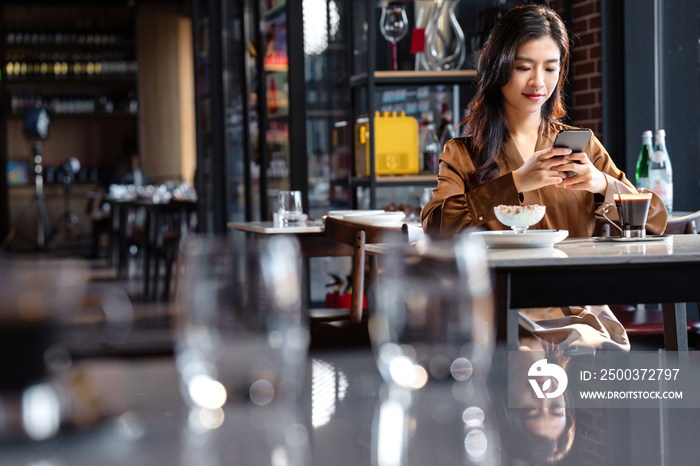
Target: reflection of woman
(507, 158)
(533, 431)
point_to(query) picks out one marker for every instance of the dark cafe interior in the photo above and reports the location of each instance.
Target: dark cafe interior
(349, 232)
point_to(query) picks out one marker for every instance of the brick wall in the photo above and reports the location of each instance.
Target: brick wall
(586, 65)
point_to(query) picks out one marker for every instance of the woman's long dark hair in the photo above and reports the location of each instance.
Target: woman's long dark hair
(485, 122)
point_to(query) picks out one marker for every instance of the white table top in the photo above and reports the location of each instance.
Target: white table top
(672, 249)
(307, 227)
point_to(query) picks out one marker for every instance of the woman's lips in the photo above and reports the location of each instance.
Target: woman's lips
(533, 96)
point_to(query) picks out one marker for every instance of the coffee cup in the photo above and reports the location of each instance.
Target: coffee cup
(632, 209)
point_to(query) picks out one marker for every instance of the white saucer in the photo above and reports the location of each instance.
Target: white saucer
(352, 213)
(529, 239)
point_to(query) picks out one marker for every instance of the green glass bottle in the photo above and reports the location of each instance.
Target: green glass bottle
(642, 174)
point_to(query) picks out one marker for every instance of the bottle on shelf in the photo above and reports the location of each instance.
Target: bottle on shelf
(645, 155)
(446, 130)
(429, 144)
(660, 171)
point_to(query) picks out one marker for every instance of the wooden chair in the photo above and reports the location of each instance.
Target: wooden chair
(355, 235)
(170, 223)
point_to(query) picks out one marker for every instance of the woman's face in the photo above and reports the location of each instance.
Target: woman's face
(541, 417)
(535, 76)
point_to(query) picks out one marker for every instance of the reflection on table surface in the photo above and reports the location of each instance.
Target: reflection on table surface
(348, 416)
(588, 251)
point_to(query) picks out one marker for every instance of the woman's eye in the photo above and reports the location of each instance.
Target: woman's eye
(552, 70)
(522, 68)
(557, 409)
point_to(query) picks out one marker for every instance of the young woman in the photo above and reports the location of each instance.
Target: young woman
(533, 431)
(506, 157)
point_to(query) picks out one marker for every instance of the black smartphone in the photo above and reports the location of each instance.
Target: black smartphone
(575, 139)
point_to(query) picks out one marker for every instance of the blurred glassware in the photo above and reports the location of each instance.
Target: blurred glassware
(393, 25)
(240, 337)
(37, 296)
(289, 207)
(445, 47)
(434, 304)
(240, 334)
(426, 197)
(433, 336)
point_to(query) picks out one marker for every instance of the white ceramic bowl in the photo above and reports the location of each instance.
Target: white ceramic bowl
(519, 217)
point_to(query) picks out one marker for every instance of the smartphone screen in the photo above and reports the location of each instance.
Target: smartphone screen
(575, 139)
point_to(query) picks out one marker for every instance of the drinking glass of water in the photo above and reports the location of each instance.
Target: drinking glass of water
(289, 207)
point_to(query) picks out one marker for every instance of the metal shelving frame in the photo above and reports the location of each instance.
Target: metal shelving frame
(370, 79)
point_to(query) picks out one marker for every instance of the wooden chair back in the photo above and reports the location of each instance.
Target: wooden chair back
(357, 235)
(686, 225)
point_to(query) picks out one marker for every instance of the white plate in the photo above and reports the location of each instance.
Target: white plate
(352, 213)
(383, 218)
(529, 239)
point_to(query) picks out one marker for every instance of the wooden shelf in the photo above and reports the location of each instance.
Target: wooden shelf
(397, 180)
(67, 48)
(414, 77)
(71, 81)
(279, 68)
(76, 116)
(277, 117)
(327, 113)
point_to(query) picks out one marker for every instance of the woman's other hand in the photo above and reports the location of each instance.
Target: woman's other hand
(585, 175)
(542, 169)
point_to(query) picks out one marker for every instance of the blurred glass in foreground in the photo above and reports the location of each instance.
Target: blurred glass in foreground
(433, 336)
(240, 339)
(35, 297)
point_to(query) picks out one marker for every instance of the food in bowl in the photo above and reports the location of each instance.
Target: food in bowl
(519, 217)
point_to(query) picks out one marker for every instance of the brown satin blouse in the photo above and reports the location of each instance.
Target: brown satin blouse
(457, 204)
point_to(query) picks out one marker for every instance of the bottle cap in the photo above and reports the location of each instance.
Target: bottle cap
(427, 117)
(646, 134)
(660, 132)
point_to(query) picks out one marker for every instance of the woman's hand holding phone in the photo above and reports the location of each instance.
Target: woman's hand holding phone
(579, 173)
(585, 175)
(544, 168)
